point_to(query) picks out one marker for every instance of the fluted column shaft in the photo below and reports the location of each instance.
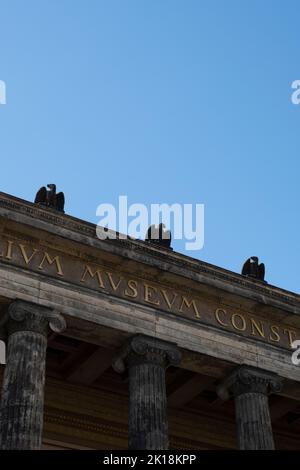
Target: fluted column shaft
(253, 421)
(147, 360)
(250, 388)
(21, 412)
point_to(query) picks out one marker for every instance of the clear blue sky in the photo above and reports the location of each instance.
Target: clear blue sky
(163, 101)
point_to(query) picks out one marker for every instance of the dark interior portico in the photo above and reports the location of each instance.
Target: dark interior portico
(133, 290)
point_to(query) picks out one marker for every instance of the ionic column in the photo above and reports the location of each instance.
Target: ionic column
(25, 328)
(147, 359)
(250, 388)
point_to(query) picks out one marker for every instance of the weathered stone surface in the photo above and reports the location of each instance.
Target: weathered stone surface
(129, 319)
(70, 228)
(30, 228)
(147, 359)
(21, 414)
(250, 388)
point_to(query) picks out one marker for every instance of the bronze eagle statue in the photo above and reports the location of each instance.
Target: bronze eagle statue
(252, 268)
(159, 236)
(50, 198)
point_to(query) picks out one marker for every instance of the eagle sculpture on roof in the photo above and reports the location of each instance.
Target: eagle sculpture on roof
(252, 268)
(50, 198)
(159, 236)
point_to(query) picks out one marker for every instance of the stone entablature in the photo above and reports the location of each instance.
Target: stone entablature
(185, 303)
(130, 287)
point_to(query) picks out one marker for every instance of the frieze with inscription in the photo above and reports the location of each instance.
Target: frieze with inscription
(79, 271)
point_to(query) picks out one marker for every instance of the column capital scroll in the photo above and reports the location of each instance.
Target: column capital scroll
(145, 349)
(248, 379)
(26, 316)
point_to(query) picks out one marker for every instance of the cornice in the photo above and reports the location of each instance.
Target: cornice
(75, 229)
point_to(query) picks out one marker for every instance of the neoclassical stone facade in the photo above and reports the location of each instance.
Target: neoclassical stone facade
(120, 344)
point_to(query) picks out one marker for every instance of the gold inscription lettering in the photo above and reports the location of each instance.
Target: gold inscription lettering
(88, 270)
(239, 325)
(274, 335)
(10, 245)
(132, 285)
(218, 312)
(165, 296)
(148, 292)
(189, 304)
(50, 261)
(112, 283)
(155, 295)
(27, 258)
(255, 327)
(290, 334)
